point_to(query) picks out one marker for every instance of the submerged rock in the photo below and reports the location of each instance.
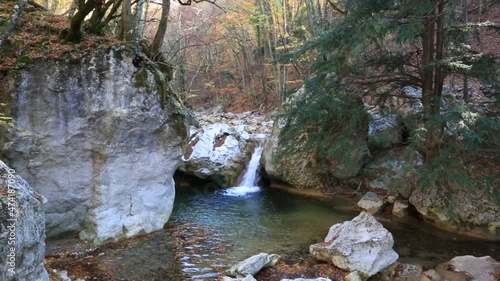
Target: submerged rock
(96, 142)
(402, 272)
(22, 229)
(361, 244)
(431, 275)
(253, 264)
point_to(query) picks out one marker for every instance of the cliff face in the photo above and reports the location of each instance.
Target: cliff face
(22, 229)
(93, 138)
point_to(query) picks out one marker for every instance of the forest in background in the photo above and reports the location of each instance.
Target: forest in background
(251, 55)
(234, 53)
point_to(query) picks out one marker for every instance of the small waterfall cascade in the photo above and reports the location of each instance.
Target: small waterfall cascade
(250, 177)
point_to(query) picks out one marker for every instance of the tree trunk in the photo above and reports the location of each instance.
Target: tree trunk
(162, 29)
(74, 33)
(465, 16)
(140, 18)
(428, 100)
(127, 22)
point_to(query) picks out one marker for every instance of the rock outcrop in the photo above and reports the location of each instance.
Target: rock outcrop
(299, 167)
(22, 229)
(361, 244)
(95, 140)
(460, 209)
(295, 169)
(216, 152)
(221, 144)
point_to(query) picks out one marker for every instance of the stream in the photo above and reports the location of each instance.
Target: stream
(211, 228)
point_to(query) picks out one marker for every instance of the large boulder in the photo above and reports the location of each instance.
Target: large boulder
(217, 152)
(470, 268)
(97, 139)
(299, 167)
(463, 209)
(22, 229)
(295, 169)
(361, 244)
(394, 170)
(221, 144)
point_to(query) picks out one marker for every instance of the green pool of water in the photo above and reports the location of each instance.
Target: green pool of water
(212, 231)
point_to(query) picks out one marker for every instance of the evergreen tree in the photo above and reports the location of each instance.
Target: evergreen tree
(380, 46)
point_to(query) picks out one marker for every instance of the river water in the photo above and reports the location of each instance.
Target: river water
(274, 221)
(209, 231)
(212, 228)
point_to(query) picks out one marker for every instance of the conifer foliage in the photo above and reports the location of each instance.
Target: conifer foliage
(380, 46)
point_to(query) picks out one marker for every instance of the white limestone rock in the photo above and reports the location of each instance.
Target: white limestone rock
(470, 268)
(371, 202)
(217, 152)
(400, 208)
(22, 228)
(96, 142)
(253, 264)
(361, 244)
(353, 276)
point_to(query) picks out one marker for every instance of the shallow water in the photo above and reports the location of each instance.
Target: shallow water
(274, 221)
(210, 231)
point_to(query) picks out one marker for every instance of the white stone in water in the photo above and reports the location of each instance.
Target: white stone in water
(400, 208)
(361, 244)
(253, 264)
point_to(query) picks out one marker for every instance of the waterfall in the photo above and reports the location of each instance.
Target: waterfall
(250, 178)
